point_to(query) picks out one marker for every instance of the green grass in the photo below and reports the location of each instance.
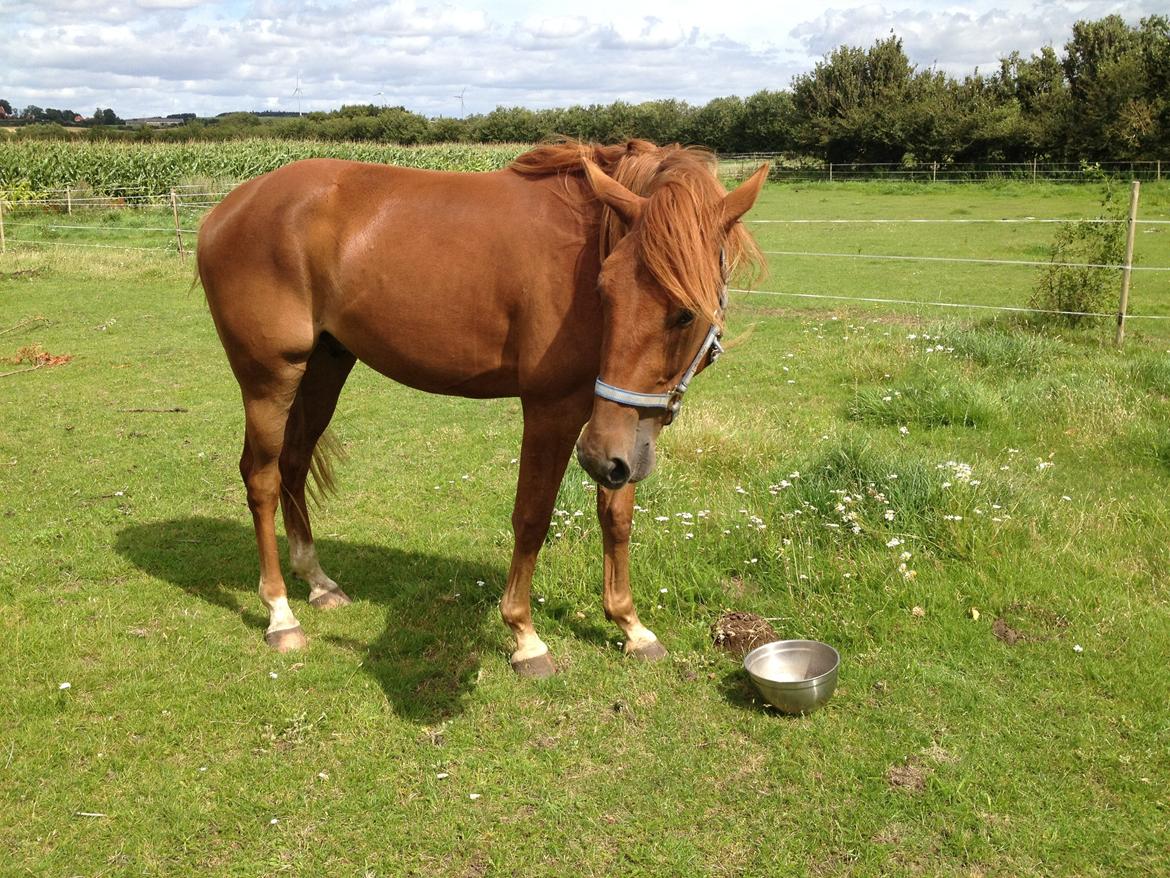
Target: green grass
(963, 283)
(1028, 485)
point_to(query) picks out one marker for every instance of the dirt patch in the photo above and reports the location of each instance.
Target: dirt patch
(909, 777)
(477, 867)
(737, 634)
(1005, 632)
(1024, 621)
(912, 774)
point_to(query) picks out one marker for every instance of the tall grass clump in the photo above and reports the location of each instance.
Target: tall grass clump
(929, 400)
(858, 491)
(1150, 371)
(1006, 349)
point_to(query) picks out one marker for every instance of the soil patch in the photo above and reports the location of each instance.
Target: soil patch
(737, 634)
(907, 777)
(1005, 632)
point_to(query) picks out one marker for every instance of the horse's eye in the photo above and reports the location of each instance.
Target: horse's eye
(686, 318)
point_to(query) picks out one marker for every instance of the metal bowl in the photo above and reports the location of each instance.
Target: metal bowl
(795, 676)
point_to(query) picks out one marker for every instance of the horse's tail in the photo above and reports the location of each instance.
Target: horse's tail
(323, 485)
(197, 278)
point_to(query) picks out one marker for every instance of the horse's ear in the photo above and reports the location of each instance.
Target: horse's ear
(740, 201)
(625, 203)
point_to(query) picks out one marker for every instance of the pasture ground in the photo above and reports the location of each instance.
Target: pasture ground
(1002, 706)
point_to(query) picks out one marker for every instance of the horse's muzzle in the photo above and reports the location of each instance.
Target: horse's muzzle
(613, 468)
(610, 473)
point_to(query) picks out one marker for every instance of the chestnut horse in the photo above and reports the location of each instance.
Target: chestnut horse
(584, 280)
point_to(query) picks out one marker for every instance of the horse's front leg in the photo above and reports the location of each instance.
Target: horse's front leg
(549, 434)
(615, 512)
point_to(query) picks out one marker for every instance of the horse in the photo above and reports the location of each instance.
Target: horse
(587, 280)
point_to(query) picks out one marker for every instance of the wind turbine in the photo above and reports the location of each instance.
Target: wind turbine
(297, 93)
(459, 97)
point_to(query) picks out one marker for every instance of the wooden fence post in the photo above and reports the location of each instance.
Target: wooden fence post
(1123, 305)
(830, 172)
(178, 231)
(69, 202)
(3, 246)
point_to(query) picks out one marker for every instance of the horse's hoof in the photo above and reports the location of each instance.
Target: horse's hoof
(287, 639)
(329, 600)
(650, 652)
(538, 667)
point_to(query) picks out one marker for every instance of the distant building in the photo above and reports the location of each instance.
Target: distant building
(155, 122)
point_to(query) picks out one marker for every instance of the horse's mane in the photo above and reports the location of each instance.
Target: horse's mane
(683, 214)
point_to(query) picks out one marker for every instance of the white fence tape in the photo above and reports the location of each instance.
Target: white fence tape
(918, 302)
(964, 259)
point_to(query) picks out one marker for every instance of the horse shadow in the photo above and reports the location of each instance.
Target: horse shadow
(427, 658)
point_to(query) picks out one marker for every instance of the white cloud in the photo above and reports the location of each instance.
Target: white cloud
(562, 27)
(167, 4)
(649, 32)
(155, 56)
(957, 39)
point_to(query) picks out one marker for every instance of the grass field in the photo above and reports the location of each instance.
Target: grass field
(1002, 706)
(91, 228)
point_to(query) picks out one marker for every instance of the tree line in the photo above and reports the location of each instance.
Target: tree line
(32, 114)
(1105, 96)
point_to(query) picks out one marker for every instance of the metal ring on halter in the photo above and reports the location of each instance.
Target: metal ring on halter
(671, 401)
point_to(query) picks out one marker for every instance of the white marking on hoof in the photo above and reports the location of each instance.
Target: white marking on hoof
(638, 638)
(306, 566)
(280, 616)
(328, 598)
(531, 647)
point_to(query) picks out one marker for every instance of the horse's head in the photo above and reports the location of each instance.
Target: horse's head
(663, 290)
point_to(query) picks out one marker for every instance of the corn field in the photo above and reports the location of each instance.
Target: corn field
(31, 170)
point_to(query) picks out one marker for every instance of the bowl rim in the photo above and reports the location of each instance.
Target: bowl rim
(792, 684)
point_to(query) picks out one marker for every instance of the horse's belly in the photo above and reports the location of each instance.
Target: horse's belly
(443, 348)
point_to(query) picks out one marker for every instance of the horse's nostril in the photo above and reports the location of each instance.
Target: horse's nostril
(619, 471)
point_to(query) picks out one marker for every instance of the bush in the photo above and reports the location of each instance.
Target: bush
(1080, 293)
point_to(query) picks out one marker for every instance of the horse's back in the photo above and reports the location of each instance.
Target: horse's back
(383, 258)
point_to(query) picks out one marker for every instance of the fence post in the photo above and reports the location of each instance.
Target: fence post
(1158, 172)
(1033, 169)
(934, 172)
(178, 231)
(69, 202)
(830, 172)
(3, 246)
(1135, 189)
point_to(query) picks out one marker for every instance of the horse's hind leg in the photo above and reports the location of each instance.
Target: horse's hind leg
(312, 409)
(269, 392)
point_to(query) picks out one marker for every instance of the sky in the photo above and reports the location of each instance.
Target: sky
(154, 57)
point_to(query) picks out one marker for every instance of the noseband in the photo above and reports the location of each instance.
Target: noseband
(671, 401)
